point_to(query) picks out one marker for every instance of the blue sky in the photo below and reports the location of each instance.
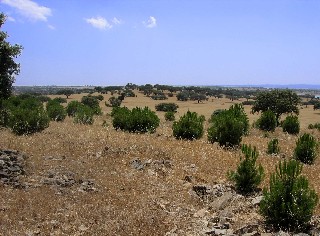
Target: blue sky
(176, 42)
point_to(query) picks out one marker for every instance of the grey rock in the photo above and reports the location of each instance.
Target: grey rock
(221, 202)
(256, 201)
(282, 233)
(137, 164)
(247, 229)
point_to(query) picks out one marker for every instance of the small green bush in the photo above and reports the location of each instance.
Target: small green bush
(314, 126)
(56, 111)
(289, 203)
(291, 125)
(228, 127)
(84, 115)
(114, 102)
(189, 126)
(169, 116)
(60, 100)
(93, 103)
(267, 121)
(182, 96)
(23, 115)
(73, 107)
(167, 107)
(273, 146)
(139, 120)
(216, 112)
(248, 175)
(306, 149)
(248, 103)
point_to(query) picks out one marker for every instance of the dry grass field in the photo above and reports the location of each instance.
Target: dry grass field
(80, 180)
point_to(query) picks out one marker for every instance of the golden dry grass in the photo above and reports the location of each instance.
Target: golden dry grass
(128, 202)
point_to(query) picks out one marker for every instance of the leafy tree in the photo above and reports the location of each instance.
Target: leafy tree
(316, 106)
(289, 203)
(277, 101)
(8, 67)
(66, 92)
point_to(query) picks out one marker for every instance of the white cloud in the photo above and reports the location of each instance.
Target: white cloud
(151, 23)
(51, 27)
(10, 18)
(116, 21)
(30, 9)
(99, 22)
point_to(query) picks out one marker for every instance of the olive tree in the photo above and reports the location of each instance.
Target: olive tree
(8, 67)
(277, 101)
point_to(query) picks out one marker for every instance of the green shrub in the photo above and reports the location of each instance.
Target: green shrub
(60, 100)
(314, 126)
(248, 175)
(248, 103)
(289, 203)
(273, 146)
(216, 112)
(84, 115)
(114, 102)
(136, 120)
(169, 116)
(291, 125)
(183, 96)
(267, 121)
(167, 107)
(93, 103)
(159, 97)
(23, 115)
(189, 126)
(73, 107)
(56, 111)
(306, 149)
(228, 127)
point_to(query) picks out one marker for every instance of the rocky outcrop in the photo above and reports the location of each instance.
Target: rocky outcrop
(12, 167)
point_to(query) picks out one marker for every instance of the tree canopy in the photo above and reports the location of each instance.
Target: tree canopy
(277, 101)
(8, 67)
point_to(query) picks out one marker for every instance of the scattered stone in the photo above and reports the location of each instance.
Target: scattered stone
(201, 213)
(137, 164)
(254, 228)
(12, 167)
(83, 228)
(220, 202)
(188, 178)
(256, 201)
(282, 233)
